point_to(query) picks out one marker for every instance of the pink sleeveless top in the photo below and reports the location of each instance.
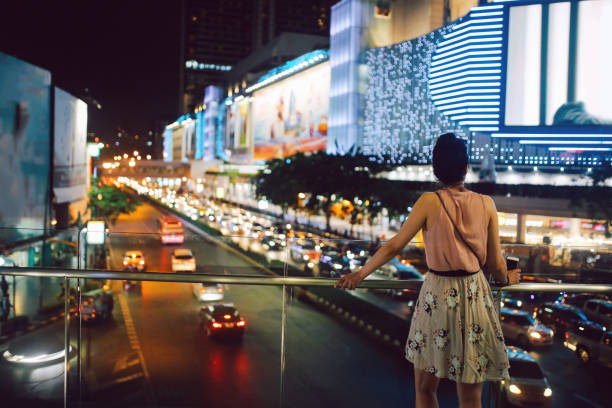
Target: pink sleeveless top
(444, 249)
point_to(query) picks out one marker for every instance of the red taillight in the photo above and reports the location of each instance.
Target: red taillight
(566, 336)
(216, 325)
(227, 317)
(241, 323)
(220, 290)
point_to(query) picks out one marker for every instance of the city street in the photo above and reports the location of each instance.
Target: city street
(154, 350)
(154, 353)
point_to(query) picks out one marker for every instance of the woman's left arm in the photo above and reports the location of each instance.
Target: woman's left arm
(415, 221)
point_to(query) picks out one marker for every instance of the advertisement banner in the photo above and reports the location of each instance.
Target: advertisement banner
(290, 116)
(70, 163)
(24, 147)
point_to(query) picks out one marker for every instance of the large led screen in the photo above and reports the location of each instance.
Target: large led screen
(401, 121)
(70, 162)
(24, 147)
(291, 115)
(559, 62)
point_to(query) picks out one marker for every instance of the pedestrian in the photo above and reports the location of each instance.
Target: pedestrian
(4, 286)
(455, 331)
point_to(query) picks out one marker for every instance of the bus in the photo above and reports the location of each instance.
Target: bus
(170, 230)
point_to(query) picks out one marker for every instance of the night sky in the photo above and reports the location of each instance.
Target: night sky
(125, 52)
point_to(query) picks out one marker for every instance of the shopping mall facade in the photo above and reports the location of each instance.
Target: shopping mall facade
(522, 81)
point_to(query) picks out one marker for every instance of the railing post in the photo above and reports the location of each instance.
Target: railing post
(284, 328)
(81, 264)
(66, 342)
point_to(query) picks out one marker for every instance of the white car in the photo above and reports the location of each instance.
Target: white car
(183, 260)
(528, 386)
(208, 292)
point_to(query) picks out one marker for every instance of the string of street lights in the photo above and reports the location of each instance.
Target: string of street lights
(131, 159)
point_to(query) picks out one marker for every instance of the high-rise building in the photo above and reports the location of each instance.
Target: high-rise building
(216, 35)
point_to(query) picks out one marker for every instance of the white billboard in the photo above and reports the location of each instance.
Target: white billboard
(70, 161)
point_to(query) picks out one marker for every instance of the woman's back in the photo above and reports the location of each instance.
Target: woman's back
(444, 248)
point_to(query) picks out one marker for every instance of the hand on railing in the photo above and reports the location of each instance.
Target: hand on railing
(514, 276)
(349, 281)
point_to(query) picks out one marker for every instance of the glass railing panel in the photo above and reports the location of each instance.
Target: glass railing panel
(158, 343)
(360, 334)
(32, 313)
(576, 263)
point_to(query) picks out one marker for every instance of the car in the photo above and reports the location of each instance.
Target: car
(599, 310)
(521, 328)
(95, 305)
(510, 300)
(132, 285)
(305, 250)
(578, 299)
(134, 260)
(221, 319)
(395, 270)
(332, 264)
(591, 343)
(559, 316)
(528, 386)
(208, 292)
(183, 260)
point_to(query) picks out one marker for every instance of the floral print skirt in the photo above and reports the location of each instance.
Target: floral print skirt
(455, 331)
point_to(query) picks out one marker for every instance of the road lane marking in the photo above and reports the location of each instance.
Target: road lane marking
(134, 342)
(591, 403)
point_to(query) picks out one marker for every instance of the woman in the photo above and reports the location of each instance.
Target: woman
(455, 331)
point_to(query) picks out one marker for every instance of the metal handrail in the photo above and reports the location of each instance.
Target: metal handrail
(276, 280)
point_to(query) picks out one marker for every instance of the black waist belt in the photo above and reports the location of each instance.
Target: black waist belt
(458, 272)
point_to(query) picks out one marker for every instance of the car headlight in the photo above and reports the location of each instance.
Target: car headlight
(337, 266)
(547, 392)
(501, 304)
(310, 265)
(514, 389)
(519, 303)
(306, 257)
(535, 335)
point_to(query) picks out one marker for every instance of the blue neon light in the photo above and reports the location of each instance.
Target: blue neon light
(457, 80)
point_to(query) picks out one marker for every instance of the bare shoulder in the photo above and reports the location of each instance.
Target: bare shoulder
(489, 204)
(428, 198)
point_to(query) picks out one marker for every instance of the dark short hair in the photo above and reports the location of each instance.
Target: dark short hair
(450, 157)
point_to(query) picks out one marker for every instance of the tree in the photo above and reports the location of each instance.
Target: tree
(278, 183)
(326, 178)
(109, 202)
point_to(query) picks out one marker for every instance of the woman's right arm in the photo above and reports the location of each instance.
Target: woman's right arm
(495, 263)
(415, 221)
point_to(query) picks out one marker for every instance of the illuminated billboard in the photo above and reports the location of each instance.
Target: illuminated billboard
(526, 82)
(24, 147)
(70, 161)
(558, 87)
(401, 120)
(290, 115)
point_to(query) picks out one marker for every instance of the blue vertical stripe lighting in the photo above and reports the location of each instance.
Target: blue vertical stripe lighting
(465, 73)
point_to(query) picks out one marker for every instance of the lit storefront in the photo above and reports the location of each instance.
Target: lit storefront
(555, 231)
